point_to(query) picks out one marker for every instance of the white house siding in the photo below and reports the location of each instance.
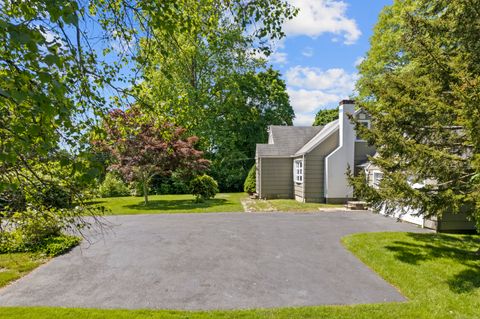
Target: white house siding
(276, 178)
(337, 189)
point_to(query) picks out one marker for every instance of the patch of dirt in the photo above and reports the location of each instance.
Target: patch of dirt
(257, 205)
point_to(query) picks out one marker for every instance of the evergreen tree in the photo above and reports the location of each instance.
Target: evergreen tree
(420, 82)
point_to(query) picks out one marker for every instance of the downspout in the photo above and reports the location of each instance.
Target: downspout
(303, 177)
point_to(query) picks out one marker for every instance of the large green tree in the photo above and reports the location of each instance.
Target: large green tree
(217, 88)
(420, 82)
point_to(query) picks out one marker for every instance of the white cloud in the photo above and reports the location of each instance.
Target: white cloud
(308, 52)
(304, 119)
(311, 89)
(317, 17)
(359, 61)
(335, 81)
(305, 101)
(278, 58)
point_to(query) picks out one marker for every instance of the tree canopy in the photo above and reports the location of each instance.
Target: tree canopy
(325, 116)
(420, 82)
(218, 88)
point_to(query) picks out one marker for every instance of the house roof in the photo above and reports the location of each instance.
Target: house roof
(287, 140)
(321, 136)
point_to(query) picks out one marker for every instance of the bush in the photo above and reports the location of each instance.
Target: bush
(203, 187)
(57, 245)
(37, 231)
(113, 186)
(250, 185)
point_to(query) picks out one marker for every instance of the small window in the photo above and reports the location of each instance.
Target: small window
(377, 177)
(298, 171)
(365, 123)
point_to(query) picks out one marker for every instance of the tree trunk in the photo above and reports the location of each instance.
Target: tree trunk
(145, 191)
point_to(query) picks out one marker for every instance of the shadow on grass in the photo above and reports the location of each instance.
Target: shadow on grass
(429, 247)
(181, 204)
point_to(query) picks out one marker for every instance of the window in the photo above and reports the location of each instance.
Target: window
(298, 171)
(365, 123)
(377, 177)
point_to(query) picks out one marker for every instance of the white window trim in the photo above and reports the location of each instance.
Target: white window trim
(298, 171)
(376, 180)
(356, 134)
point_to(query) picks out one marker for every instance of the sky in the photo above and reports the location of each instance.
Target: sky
(323, 46)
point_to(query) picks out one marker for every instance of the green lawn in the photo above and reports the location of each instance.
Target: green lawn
(167, 204)
(14, 266)
(440, 274)
(287, 205)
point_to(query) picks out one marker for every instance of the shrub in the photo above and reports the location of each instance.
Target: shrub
(37, 231)
(113, 186)
(57, 245)
(203, 187)
(250, 185)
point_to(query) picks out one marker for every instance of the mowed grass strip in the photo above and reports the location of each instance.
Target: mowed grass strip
(169, 204)
(16, 265)
(440, 274)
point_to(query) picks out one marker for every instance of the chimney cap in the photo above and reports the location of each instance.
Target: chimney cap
(342, 102)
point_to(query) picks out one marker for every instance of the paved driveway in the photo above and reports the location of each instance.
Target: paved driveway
(207, 261)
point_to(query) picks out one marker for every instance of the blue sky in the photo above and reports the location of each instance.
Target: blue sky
(324, 44)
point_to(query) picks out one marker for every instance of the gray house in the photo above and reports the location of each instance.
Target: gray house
(310, 163)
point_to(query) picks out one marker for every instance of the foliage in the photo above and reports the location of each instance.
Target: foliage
(325, 116)
(113, 186)
(55, 246)
(143, 147)
(219, 90)
(55, 196)
(250, 185)
(419, 82)
(203, 187)
(37, 231)
(173, 184)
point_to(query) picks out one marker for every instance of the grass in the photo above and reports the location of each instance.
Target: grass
(16, 265)
(440, 274)
(167, 204)
(288, 205)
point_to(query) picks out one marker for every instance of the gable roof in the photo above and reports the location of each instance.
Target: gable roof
(287, 140)
(321, 136)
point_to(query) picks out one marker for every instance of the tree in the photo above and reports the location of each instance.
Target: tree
(325, 116)
(420, 82)
(144, 147)
(219, 90)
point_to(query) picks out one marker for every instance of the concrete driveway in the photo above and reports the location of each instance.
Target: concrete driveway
(213, 261)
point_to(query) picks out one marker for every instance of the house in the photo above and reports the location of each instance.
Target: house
(310, 163)
(448, 222)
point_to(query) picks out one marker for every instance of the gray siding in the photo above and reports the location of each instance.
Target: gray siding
(314, 169)
(276, 178)
(455, 222)
(362, 151)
